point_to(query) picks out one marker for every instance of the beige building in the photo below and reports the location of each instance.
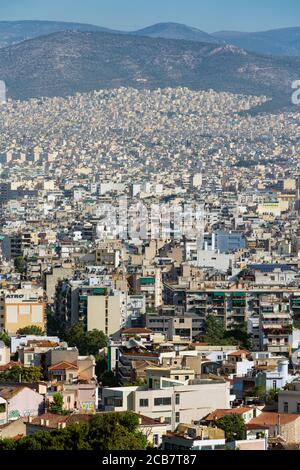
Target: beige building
(104, 314)
(173, 401)
(289, 399)
(21, 308)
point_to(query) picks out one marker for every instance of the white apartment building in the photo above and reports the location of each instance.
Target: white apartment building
(170, 400)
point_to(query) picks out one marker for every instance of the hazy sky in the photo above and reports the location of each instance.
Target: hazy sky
(209, 15)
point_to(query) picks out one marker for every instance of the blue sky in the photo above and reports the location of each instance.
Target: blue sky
(209, 15)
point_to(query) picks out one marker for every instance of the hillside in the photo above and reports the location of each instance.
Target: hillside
(14, 32)
(176, 31)
(284, 42)
(68, 62)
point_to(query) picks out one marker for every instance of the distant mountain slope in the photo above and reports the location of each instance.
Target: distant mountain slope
(68, 62)
(285, 42)
(14, 32)
(176, 31)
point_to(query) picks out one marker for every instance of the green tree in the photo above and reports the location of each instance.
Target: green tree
(234, 427)
(54, 326)
(20, 264)
(112, 431)
(5, 338)
(86, 342)
(272, 396)
(101, 367)
(31, 374)
(95, 340)
(31, 330)
(239, 335)
(108, 379)
(7, 444)
(22, 374)
(260, 392)
(57, 406)
(214, 331)
(116, 431)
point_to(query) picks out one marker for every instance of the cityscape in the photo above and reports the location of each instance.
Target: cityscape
(149, 257)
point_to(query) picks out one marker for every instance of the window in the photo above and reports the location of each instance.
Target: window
(177, 417)
(164, 401)
(274, 385)
(176, 377)
(285, 407)
(177, 399)
(187, 377)
(144, 402)
(298, 407)
(156, 440)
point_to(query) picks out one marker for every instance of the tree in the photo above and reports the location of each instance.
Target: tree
(116, 431)
(31, 374)
(54, 327)
(20, 264)
(95, 340)
(57, 406)
(31, 330)
(22, 374)
(108, 379)
(273, 396)
(101, 367)
(7, 444)
(214, 331)
(260, 392)
(5, 338)
(234, 427)
(87, 342)
(239, 334)
(111, 431)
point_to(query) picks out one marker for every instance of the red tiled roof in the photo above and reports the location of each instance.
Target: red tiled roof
(146, 421)
(240, 353)
(268, 418)
(250, 426)
(63, 366)
(136, 331)
(53, 419)
(9, 366)
(42, 344)
(218, 414)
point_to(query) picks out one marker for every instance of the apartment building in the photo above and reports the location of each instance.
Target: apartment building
(21, 308)
(289, 399)
(274, 308)
(98, 306)
(174, 401)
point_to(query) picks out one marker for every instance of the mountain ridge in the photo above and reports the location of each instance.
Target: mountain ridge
(64, 63)
(176, 31)
(280, 42)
